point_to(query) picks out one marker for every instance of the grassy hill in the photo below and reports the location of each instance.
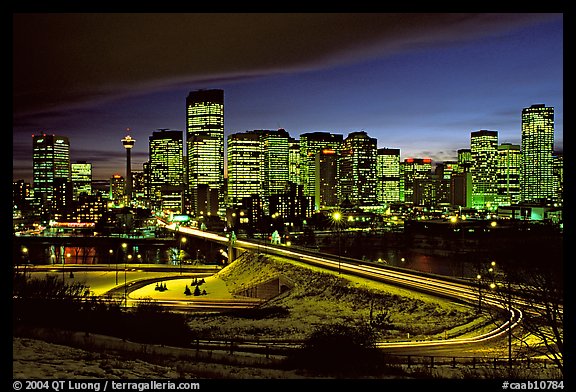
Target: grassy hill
(320, 298)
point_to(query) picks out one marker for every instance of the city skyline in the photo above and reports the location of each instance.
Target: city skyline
(488, 77)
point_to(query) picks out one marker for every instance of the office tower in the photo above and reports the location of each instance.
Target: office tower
(117, 188)
(166, 169)
(388, 175)
(310, 144)
(464, 160)
(413, 169)
(484, 153)
(326, 174)
(294, 161)
(128, 143)
(205, 148)
(508, 173)
(81, 178)
(357, 170)
(537, 153)
(558, 174)
(444, 172)
(21, 192)
(51, 163)
(245, 176)
(275, 162)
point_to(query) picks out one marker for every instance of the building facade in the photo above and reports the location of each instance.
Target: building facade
(537, 153)
(205, 147)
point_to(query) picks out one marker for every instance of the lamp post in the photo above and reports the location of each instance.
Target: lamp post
(337, 217)
(129, 257)
(479, 278)
(182, 242)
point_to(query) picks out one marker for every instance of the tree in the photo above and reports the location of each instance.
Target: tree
(187, 291)
(197, 291)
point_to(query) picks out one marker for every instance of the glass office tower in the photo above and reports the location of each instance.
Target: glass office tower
(166, 179)
(50, 166)
(484, 154)
(537, 153)
(388, 175)
(205, 148)
(358, 169)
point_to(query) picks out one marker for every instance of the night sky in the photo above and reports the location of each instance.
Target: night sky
(418, 82)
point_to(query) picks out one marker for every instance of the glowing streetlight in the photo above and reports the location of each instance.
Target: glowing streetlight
(479, 278)
(337, 217)
(180, 255)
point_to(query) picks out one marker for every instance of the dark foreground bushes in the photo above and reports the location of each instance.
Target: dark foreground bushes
(51, 303)
(341, 350)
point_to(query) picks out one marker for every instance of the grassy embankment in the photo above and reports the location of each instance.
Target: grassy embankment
(319, 298)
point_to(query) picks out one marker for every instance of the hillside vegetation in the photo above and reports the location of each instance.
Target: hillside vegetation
(318, 298)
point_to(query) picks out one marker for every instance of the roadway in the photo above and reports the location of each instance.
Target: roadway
(452, 288)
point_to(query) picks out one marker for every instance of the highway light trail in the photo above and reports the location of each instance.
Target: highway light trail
(425, 283)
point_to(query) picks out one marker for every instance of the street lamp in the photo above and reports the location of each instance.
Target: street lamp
(182, 242)
(479, 277)
(337, 217)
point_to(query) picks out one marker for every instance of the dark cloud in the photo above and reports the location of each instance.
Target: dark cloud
(60, 59)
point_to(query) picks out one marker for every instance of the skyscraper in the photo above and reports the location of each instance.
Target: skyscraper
(358, 169)
(537, 153)
(558, 172)
(245, 174)
(508, 173)
(484, 153)
(411, 170)
(81, 178)
(326, 179)
(310, 144)
(388, 175)
(50, 165)
(205, 146)
(294, 161)
(166, 169)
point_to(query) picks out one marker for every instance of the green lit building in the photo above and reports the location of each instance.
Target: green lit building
(537, 153)
(81, 173)
(357, 169)
(484, 154)
(205, 149)
(508, 174)
(388, 175)
(50, 166)
(166, 180)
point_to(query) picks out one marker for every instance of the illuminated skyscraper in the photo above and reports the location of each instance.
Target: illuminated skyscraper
(508, 173)
(558, 173)
(51, 165)
(484, 153)
(413, 169)
(310, 144)
(388, 175)
(294, 161)
(537, 153)
(245, 174)
(275, 162)
(166, 169)
(205, 147)
(81, 178)
(357, 170)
